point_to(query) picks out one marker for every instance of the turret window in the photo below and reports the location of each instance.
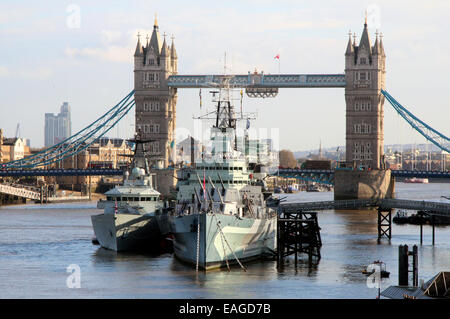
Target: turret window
(362, 128)
(151, 77)
(362, 76)
(154, 106)
(154, 147)
(154, 128)
(363, 105)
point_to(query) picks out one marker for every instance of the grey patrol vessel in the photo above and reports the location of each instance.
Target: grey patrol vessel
(133, 211)
(221, 217)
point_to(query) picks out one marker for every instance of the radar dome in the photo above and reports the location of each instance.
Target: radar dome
(135, 172)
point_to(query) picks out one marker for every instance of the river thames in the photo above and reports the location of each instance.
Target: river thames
(39, 242)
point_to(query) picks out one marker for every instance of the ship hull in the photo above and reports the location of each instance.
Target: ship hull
(126, 232)
(249, 239)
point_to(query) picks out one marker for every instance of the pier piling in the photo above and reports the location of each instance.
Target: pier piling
(298, 232)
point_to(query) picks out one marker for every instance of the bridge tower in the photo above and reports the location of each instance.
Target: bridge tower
(365, 75)
(155, 110)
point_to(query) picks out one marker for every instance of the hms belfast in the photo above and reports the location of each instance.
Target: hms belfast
(221, 217)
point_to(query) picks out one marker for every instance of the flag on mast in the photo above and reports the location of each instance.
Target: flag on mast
(204, 185)
(277, 57)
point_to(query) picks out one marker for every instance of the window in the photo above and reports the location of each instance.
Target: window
(154, 147)
(152, 61)
(362, 61)
(151, 77)
(146, 104)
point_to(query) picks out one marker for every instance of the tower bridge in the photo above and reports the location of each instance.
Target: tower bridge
(156, 81)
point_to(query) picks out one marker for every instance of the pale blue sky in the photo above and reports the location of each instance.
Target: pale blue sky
(43, 62)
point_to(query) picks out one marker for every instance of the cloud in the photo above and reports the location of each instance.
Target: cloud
(121, 52)
(4, 71)
(109, 36)
(39, 72)
(111, 53)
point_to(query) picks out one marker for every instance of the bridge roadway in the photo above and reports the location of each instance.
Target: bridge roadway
(293, 172)
(259, 80)
(438, 208)
(61, 172)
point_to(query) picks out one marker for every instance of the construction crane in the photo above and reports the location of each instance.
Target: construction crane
(18, 130)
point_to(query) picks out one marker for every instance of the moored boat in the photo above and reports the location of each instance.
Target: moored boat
(416, 180)
(131, 211)
(221, 217)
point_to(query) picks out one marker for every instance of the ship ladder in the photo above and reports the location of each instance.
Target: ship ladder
(226, 241)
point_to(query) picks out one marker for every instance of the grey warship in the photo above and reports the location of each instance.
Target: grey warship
(221, 217)
(133, 211)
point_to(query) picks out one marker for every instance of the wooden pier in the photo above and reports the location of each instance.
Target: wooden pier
(298, 232)
(384, 207)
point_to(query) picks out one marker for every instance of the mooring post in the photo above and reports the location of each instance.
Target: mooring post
(432, 226)
(403, 265)
(296, 238)
(415, 267)
(421, 232)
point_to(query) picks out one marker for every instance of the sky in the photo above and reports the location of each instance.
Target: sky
(82, 52)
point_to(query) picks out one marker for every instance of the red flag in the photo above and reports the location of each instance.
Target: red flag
(277, 57)
(204, 185)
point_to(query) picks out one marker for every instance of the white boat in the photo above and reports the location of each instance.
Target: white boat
(221, 217)
(132, 213)
(416, 180)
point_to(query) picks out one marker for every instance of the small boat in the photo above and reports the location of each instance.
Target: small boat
(401, 217)
(278, 190)
(383, 272)
(313, 188)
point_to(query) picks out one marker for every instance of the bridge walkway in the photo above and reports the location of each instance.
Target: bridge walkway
(20, 191)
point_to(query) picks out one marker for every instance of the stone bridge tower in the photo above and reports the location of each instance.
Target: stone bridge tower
(155, 110)
(365, 76)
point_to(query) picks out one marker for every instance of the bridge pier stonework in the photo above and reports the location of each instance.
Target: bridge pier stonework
(365, 75)
(354, 184)
(155, 110)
